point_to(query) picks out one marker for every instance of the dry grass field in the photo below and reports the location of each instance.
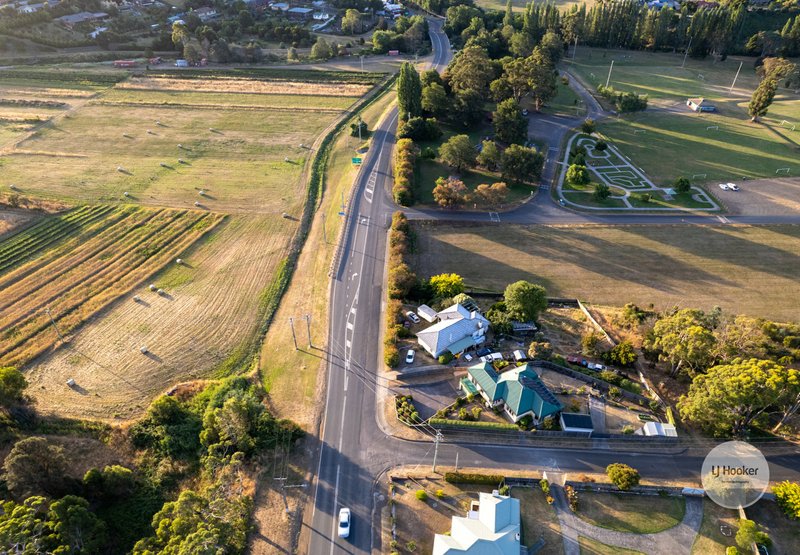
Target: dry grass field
(743, 269)
(71, 267)
(10, 221)
(193, 147)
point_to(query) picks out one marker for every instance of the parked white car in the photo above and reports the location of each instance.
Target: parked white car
(733, 187)
(344, 522)
(492, 357)
(723, 186)
(410, 356)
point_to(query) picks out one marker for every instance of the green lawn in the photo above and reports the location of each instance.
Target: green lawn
(539, 520)
(636, 514)
(566, 102)
(681, 200)
(678, 142)
(592, 547)
(586, 198)
(710, 540)
(743, 269)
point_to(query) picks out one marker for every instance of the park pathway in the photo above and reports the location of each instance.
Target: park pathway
(678, 539)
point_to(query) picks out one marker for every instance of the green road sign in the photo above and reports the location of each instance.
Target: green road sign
(357, 161)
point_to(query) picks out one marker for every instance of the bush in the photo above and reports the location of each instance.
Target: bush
(588, 126)
(419, 129)
(422, 495)
(445, 358)
(601, 146)
(469, 478)
(578, 175)
(644, 197)
(404, 161)
(731, 550)
(463, 414)
(504, 489)
(476, 413)
(627, 430)
(439, 493)
(601, 191)
(444, 423)
(749, 533)
(682, 185)
(545, 485)
(623, 476)
(787, 496)
(391, 356)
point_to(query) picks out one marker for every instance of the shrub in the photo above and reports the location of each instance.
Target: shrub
(476, 413)
(589, 344)
(623, 476)
(504, 489)
(445, 358)
(391, 356)
(545, 485)
(749, 533)
(682, 185)
(411, 546)
(787, 495)
(469, 478)
(627, 430)
(404, 161)
(578, 175)
(731, 550)
(419, 129)
(588, 126)
(601, 146)
(439, 493)
(422, 495)
(463, 414)
(572, 497)
(601, 191)
(614, 392)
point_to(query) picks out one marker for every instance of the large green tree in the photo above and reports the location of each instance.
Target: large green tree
(510, 126)
(762, 99)
(684, 339)
(470, 70)
(458, 152)
(434, 99)
(35, 466)
(623, 476)
(446, 285)
(351, 22)
(787, 495)
(730, 396)
(12, 385)
(521, 164)
(409, 91)
(525, 300)
(450, 192)
(543, 86)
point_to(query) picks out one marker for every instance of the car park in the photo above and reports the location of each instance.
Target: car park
(410, 356)
(344, 522)
(413, 317)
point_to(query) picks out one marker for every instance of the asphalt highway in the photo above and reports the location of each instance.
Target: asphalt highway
(354, 449)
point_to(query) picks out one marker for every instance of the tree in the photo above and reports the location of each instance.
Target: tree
(445, 286)
(489, 156)
(351, 22)
(492, 195)
(12, 384)
(409, 91)
(35, 466)
(789, 400)
(684, 339)
(730, 396)
(75, 528)
(450, 192)
(590, 344)
(542, 78)
(623, 476)
(740, 337)
(525, 300)
(499, 321)
(419, 129)
(762, 99)
(541, 350)
(434, 99)
(179, 33)
(470, 70)
(552, 44)
(749, 533)
(468, 107)
(321, 50)
(682, 185)
(510, 126)
(246, 20)
(623, 354)
(382, 41)
(601, 191)
(458, 152)
(588, 126)
(521, 164)
(787, 495)
(521, 44)
(577, 174)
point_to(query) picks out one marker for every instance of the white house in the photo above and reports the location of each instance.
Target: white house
(457, 330)
(493, 529)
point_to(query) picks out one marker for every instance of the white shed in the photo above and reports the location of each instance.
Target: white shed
(657, 429)
(426, 313)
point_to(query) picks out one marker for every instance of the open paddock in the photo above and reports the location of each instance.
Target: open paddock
(743, 269)
(59, 273)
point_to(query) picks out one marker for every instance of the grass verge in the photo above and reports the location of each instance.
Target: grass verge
(636, 514)
(592, 547)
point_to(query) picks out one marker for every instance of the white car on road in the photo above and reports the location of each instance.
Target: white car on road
(410, 356)
(344, 522)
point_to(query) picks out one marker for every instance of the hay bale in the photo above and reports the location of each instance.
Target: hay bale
(70, 382)
(137, 299)
(161, 292)
(143, 350)
(153, 287)
(126, 193)
(179, 261)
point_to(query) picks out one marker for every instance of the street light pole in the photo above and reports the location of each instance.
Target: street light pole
(736, 77)
(608, 79)
(687, 52)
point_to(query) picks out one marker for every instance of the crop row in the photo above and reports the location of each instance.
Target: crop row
(71, 77)
(47, 233)
(150, 241)
(276, 74)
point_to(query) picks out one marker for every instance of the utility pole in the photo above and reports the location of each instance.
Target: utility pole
(308, 328)
(61, 337)
(736, 77)
(291, 325)
(608, 79)
(436, 448)
(359, 130)
(575, 50)
(456, 461)
(687, 52)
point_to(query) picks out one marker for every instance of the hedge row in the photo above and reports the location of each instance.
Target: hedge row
(467, 478)
(400, 281)
(405, 157)
(444, 422)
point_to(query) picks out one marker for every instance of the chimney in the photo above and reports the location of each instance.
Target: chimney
(473, 314)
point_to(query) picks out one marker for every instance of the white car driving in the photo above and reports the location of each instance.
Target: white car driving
(344, 522)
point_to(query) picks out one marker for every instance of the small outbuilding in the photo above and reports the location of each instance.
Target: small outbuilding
(700, 105)
(427, 313)
(657, 429)
(578, 423)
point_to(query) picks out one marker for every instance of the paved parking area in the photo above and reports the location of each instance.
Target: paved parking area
(762, 197)
(430, 394)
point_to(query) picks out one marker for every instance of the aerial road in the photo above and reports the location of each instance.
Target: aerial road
(354, 449)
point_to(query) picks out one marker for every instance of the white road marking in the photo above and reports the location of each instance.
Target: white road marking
(723, 219)
(350, 325)
(334, 531)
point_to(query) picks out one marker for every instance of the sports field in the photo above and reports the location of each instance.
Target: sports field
(743, 269)
(669, 140)
(229, 148)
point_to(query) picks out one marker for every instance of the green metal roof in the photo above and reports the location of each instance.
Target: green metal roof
(520, 389)
(469, 386)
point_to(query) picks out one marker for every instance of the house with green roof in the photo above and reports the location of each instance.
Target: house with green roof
(519, 391)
